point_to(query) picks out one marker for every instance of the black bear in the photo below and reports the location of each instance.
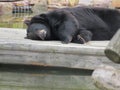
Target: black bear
(78, 24)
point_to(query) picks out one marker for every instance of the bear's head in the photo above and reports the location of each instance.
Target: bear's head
(38, 28)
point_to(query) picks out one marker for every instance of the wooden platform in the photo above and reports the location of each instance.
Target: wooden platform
(14, 49)
(24, 77)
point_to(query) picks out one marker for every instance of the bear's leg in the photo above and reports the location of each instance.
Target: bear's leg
(65, 39)
(66, 32)
(101, 34)
(83, 36)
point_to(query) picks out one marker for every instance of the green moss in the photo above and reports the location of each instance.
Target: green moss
(13, 21)
(12, 25)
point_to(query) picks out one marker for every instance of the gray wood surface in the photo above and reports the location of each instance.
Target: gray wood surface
(14, 49)
(35, 78)
(106, 78)
(113, 49)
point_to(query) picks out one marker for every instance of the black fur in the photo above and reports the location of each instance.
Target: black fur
(79, 24)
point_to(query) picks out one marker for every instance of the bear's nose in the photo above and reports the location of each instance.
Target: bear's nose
(41, 34)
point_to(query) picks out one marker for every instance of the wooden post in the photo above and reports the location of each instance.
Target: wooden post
(113, 49)
(106, 78)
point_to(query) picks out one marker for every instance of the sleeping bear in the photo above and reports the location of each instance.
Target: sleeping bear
(77, 25)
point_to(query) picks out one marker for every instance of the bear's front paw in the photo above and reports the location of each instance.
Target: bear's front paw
(67, 40)
(80, 39)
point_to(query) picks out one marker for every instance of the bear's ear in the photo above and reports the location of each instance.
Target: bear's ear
(39, 18)
(43, 16)
(27, 22)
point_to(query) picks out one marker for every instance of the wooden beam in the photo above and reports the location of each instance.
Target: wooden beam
(35, 78)
(113, 49)
(14, 49)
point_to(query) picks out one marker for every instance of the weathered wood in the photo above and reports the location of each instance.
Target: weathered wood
(106, 78)
(32, 78)
(14, 49)
(113, 49)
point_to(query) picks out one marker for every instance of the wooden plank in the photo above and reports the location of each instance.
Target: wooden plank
(35, 78)
(14, 49)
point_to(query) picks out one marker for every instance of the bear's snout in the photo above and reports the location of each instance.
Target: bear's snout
(41, 34)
